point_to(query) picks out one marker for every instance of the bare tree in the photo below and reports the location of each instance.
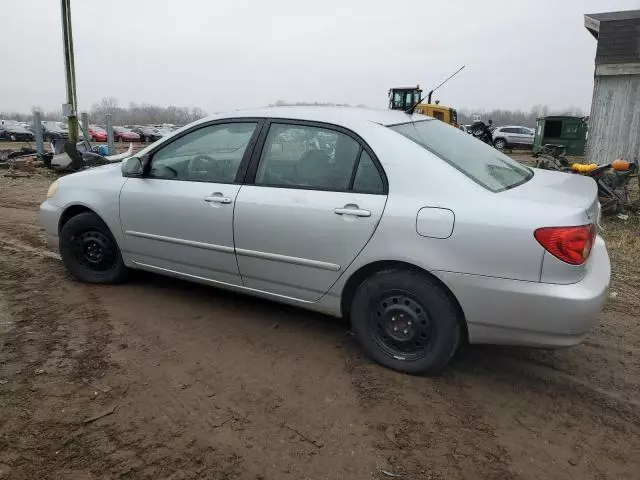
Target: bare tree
(143, 114)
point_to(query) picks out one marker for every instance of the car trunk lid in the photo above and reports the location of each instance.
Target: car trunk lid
(557, 190)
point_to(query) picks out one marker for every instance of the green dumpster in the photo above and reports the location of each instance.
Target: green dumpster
(569, 132)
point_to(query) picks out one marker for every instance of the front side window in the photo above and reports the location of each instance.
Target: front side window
(209, 154)
(307, 157)
(482, 163)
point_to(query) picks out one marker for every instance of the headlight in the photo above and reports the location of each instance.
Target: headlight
(52, 189)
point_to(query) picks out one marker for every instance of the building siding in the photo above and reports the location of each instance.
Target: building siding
(619, 42)
(614, 124)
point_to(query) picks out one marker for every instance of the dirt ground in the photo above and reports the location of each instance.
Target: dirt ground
(163, 379)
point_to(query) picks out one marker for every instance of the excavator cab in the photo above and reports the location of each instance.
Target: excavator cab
(403, 98)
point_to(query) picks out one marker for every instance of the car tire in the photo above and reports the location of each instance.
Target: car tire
(90, 252)
(406, 321)
(500, 143)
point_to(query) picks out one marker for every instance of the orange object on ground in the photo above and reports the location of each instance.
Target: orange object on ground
(620, 165)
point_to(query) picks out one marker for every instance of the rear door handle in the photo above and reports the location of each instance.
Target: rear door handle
(217, 198)
(356, 212)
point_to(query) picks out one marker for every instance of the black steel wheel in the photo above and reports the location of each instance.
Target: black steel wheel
(406, 320)
(94, 250)
(401, 326)
(89, 251)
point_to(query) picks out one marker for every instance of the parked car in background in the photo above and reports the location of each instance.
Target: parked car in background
(164, 130)
(52, 130)
(97, 134)
(512, 136)
(122, 134)
(418, 233)
(147, 133)
(14, 131)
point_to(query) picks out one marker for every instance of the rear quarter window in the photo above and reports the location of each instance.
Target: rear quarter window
(480, 162)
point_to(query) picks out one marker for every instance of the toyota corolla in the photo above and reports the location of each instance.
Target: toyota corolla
(422, 236)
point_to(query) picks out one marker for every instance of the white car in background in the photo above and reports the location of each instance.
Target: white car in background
(513, 136)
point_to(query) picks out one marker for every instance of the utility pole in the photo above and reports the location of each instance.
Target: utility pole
(70, 109)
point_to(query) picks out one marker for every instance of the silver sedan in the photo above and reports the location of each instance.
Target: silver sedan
(423, 237)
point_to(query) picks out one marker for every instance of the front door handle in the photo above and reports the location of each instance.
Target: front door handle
(217, 198)
(356, 212)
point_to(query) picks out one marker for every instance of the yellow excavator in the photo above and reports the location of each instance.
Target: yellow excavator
(409, 99)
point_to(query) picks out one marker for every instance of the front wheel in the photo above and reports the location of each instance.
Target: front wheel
(500, 144)
(89, 250)
(406, 321)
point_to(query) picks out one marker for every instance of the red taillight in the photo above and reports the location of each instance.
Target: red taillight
(569, 244)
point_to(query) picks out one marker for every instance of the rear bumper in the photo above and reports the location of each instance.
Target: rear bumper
(49, 219)
(512, 312)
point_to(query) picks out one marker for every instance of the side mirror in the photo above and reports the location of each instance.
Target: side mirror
(132, 167)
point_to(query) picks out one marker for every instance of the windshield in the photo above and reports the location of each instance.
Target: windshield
(477, 160)
(97, 129)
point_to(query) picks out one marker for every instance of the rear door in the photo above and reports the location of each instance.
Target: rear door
(526, 136)
(313, 198)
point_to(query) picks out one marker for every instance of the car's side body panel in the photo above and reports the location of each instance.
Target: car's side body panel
(168, 224)
(292, 242)
(490, 261)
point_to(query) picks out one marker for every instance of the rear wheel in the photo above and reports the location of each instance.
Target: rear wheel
(405, 321)
(90, 252)
(500, 144)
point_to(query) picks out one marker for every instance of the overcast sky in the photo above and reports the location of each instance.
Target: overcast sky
(222, 55)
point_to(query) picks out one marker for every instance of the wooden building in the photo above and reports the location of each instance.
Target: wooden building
(614, 123)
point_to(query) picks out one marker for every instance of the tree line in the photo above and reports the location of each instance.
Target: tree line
(134, 114)
(147, 114)
(467, 115)
(514, 117)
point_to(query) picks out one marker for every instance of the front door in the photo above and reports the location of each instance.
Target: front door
(317, 198)
(178, 218)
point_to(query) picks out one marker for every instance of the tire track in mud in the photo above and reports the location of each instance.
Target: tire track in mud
(502, 413)
(57, 345)
(428, 427)
(54, 362)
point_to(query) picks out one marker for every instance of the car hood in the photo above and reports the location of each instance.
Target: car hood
(557, 189)
(97, 174)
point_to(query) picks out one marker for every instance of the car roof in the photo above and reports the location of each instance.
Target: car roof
(514, 126)
(335, 115)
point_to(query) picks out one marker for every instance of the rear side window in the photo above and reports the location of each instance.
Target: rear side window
(482, 163)
(302, 156)
(367, 179)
